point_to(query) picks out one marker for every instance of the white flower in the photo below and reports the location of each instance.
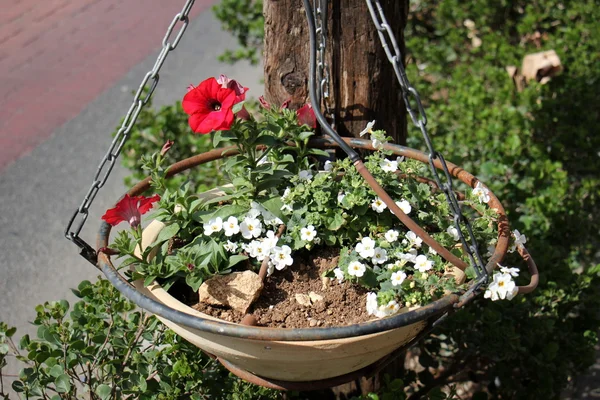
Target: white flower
(259, 249)
(368, 129)
(231, 226)
(514, 272)
(410, 256)
(422, 264)
(356, 268)
(482, 193)
(391, 235)
(339, 274)
(372, 305)
(366, 247)
(308, 233)
(391, 307)
(413, 239)
(230, 246)
(432, 251)
(340, 197)
(286, 194)
(379, 256)
(389, 166)
(519, 241)
(253, 212)
(250, 228)
(270, 240)
(398, 278)
(305, 175)
(399, 160)
(452, 231)
(273, 221)
(404, 206)
(502, 287)
(317, 240)
(281, 257)
(270, 269)
(287, 207)
(376, 143)
(328, 166)
(212, 226)
(378, 205)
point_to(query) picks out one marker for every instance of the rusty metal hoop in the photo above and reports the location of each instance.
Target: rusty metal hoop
(432, 313)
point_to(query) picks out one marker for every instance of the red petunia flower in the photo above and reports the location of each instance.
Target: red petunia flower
(306, 116)
(130, 209)
(209, 107)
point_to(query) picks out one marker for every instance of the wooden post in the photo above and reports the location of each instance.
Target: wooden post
(363, 83)
(364, 87)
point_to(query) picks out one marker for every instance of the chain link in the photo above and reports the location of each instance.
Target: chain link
(149, 83)
(419, 119)
(323, 74)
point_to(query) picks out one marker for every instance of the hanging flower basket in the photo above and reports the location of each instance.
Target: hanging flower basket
(286, 358)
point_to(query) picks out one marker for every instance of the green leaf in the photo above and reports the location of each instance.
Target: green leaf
(335, 223)
(166, 233)
(62, 384)
(18, 386)
(273, 205)
(235, 259)
(103, 391)
(319, 152)
(237, 107)
(10, 332)
(266, 140)
(56, 371)
(305, 135)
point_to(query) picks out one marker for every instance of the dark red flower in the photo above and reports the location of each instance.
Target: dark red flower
(130, 209)
(166, 147)
(264, 103)
(240, 91)
(306, 116)
(286, 104)
(209, 107)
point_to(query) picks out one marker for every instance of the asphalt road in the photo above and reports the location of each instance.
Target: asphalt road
(40, 191)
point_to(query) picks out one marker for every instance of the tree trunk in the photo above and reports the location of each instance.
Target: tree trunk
(363, 84)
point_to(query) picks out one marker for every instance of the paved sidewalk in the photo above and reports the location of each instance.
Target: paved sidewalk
(58, 55)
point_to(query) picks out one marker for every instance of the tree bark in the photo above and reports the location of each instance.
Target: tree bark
(363, 83)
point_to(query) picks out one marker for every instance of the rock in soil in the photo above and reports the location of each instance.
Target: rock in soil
(237, 290)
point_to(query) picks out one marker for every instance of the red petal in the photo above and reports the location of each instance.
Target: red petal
(226, 97)
(145, 203)
(306, 116)
(196, 120)
(217, 121)
(122, 211)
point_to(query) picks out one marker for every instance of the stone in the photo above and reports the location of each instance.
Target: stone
(237, 290)
(312, 323)
(303, 299)
(314, 297)
(325, 283)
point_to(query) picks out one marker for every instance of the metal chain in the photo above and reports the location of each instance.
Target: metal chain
(419, 119)
(150, 80)
(323, 75)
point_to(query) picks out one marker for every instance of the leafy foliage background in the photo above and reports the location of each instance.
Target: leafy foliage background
(538, 150)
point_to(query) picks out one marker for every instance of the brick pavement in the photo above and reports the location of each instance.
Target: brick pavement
(57, 55)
